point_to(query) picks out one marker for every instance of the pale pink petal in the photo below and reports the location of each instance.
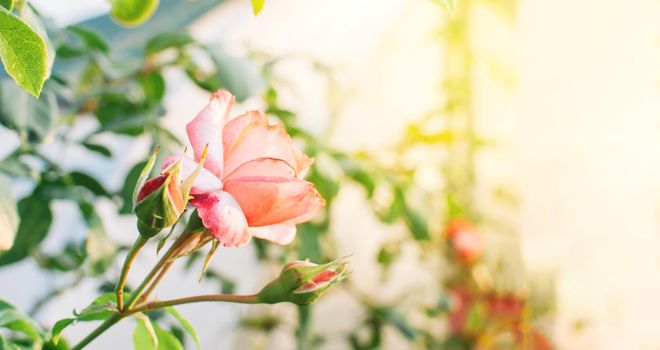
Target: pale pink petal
(206, 129)
(280, 234)
(263, 167)
(251, 136)
(204, 182)
(222, 216)
(275, 200)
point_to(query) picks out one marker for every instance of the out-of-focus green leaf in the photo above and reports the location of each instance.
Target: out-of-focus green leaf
(166, 340)
(327, 187)
(17, 322)
(102, 150)
(70, 258)
(23, 53)
(309, 244)
(8, 4)
(417, 224)
(21, 112)
(8, 214)
(100, 250)
(36, 218)
(121, 115)
(153, 86)
(90, 39)
(401, 324)
(13, 166)
(257, 6)
(185, 324)
(144, 335)
(167, 40)
(88, 182)
(133, 12)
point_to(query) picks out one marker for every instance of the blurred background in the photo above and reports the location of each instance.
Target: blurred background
(491, 166)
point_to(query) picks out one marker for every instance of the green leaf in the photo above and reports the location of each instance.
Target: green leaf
(14, 167)
(8, 214)
(58, 327)
(167, 40)
(144, 335)
(167, 340)
(88, 182)
(9, 5)
(153, 85)
(36, 218)
(100, 250)
(102, 150)
(133, 12)
(257, 6)
(185, 324)
(104, 306)
(23, 53)
(15, 321)
(101, 308)
(70, 258)
(90, 39)
(417, 224)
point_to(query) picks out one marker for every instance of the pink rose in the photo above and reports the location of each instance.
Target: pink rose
(251, 183)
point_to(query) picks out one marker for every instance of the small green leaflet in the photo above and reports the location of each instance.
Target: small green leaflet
(257, 6)
(103, 307)
(144, 336)
(185, 324)
(23, 53)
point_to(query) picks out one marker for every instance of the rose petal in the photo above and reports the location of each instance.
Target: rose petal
(150, 186)
(263, 167)
(250, 136)
(222, 216)
(206, 129)
(280, 234)
(204, 182)
(268, 200)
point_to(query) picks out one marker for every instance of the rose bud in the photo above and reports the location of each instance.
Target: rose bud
(162, 200)
(465, 240)
(302, 282)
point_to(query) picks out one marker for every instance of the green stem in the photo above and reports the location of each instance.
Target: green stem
(231, 298)
(119, 290)
(98, 331)
(135, 295)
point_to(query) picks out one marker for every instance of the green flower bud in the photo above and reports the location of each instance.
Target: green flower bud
(302, 282)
